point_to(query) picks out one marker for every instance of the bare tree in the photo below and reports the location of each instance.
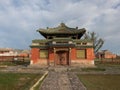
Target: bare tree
(97, 42)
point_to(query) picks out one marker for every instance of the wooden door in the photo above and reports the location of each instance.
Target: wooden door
(62, 58)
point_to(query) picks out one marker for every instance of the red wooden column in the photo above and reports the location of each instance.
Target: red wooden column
(35, 54)
(54, 56)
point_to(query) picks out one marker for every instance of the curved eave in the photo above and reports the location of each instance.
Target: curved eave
(66, 31)
(78, 32)
(38, 46)
(84, 47)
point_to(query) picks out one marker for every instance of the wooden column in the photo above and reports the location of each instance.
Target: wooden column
(48, 57)
(54, 56)
(69, 56)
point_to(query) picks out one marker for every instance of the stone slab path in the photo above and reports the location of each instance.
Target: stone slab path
(61, 80)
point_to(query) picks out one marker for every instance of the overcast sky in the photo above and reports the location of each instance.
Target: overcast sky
(19, 20)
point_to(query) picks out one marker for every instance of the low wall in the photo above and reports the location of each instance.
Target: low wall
(40, 62)
(11, 58)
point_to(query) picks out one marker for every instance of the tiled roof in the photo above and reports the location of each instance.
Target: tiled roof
(61, 29)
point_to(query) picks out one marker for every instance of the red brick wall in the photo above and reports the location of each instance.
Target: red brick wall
(35, 54)
(110, 56)
(73, 54)
(51, 55)
(90, 53)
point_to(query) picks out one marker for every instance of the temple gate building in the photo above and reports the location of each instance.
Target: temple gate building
(62, 46)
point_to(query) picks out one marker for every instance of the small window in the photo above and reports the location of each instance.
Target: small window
(74, 37)
(78, 43)
(50, 38)
(61, 42)
(84, 43)
(41, 43)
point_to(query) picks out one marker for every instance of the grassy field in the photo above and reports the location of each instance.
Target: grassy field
(14, 63)
(17, 81)
(108, 65)
(101, 82)
(92, 69)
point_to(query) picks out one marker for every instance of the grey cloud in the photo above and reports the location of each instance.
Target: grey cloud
(19, 19)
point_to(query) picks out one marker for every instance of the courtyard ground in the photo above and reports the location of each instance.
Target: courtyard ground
(68, 78)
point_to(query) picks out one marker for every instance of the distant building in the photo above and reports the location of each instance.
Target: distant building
(63, 46)
(24, 53)
(105, 54)
(7, 52)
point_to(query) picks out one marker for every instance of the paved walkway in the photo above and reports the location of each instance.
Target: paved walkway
(61, 80)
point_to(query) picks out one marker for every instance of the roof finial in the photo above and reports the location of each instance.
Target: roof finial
(47, 27)
(62, 24)
(76, 27)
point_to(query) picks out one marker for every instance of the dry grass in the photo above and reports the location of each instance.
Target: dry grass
(17, 81)
(101, 82)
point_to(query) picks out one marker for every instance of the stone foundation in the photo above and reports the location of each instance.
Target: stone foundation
(83, 63)
(79, 63)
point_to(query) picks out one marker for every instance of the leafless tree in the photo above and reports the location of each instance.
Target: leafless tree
(97, 42)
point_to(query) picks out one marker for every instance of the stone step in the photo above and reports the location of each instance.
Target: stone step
(59, 69)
